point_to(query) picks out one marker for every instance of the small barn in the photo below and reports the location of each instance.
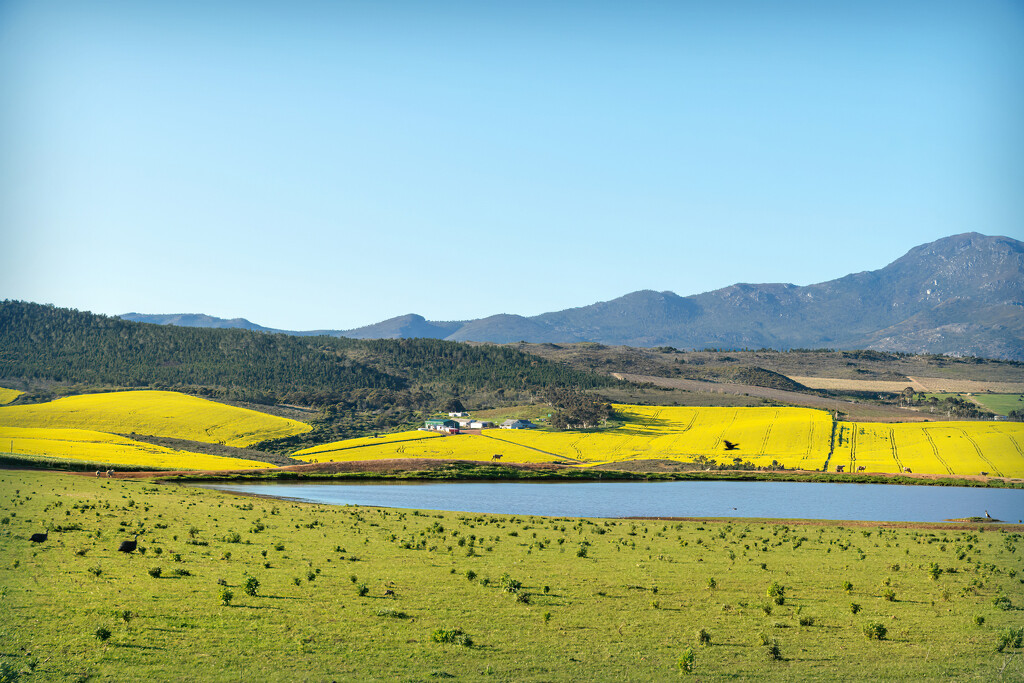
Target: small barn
(517, 424)
(481, 424)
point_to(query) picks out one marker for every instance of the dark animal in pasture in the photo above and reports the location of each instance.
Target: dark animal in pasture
(984, 474)
(389, 593)
(129, 546)
(110, 473)
(839, 468)
(860, 468)
(97, 474)
(39, 538)
(730, 446)
(907, 470)
(496, 456)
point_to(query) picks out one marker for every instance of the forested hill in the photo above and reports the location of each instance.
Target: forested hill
(43, 344)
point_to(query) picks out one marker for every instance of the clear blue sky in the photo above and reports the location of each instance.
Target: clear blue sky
(332, 164)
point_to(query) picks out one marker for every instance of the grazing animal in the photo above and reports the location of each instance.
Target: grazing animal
(840, 468)
(97, 474)
(39, 538)
(496, 456)
(861, 468)
(389, 593)
(984, 474)
(729, 445)
(110, 473)
(907, 470)
(129, 546)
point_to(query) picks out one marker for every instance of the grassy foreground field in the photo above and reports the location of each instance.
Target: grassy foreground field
(155, 413)
(580, 599)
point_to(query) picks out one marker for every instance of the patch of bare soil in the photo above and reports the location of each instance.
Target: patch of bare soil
(867, 412)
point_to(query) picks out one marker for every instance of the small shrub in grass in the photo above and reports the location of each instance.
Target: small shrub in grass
(979, 620)
(1009, 637)
(392, 614)
(182, 572)
(95, 570)
(767, 609)
(547, 589)
(221, 582)
(854, 608)
(772, 651)
(889, 594)
(362, 589)
(310, 575)
(523, 597)
(703, 637)
(297, 581)
(765, 640)
(102, 633)
(875, 630)
(126, 616)
(777, 592)
(455, 636)
(226, 596)
(1002, 602)
(470, 574)
(687, 661)
(847, 586)
(581, 551)
(712, 584)
(934, 571)
(352, 578)
(547, 617)
(155, 572)
(807, 621)
(251, 586)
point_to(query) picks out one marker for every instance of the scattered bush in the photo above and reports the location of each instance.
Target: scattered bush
(687, 661)
(979, 620)
(703, 637)
(712, 584)
(392, 614)
(182, 572)
(362, 589)
(581, 551)
(226, 596)
(875, 630)
(155, 572)
(847, 586)
(767, 609)
(126, 616)
(854, 608)
(889, 594)
(103, 633)
(95, 570)
(1009, 637)
(1002, 602)
(807, 621)
(470, 574)
(523, 597)
(772, 650)
(251, 586)
(453, 635)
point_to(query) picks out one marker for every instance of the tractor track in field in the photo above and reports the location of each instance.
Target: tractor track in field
(513, 443)
(935, 450)
(977, 449)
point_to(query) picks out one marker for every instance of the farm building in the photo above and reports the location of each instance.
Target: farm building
(464, 422)
(457, 414)
(517, 424)
(441, 425)
(481, 424)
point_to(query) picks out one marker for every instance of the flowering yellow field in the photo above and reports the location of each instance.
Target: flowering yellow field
(456, 447)
(110, 449)
(965, 448)
(155, 413)
(328, 451)
(8, 395)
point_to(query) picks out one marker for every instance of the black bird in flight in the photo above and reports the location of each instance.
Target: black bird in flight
(730, 446)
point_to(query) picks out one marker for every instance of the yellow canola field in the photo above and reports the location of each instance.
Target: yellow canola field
(797, 437)
(109, 449)
(155, 413)
(455, 447)
(964, 448)
(327, 451)
(8, 395)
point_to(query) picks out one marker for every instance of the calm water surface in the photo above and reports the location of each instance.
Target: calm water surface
(788, 500)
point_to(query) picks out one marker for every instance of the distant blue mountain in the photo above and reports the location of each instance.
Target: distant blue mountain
(961, 295)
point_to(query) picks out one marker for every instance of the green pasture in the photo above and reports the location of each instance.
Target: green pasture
(483, 597)
(1001, 404)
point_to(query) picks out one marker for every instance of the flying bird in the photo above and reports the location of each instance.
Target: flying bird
(729, 445)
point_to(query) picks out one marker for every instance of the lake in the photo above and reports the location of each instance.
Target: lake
(783, 500)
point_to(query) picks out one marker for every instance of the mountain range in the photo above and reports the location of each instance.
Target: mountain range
(960, 295)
